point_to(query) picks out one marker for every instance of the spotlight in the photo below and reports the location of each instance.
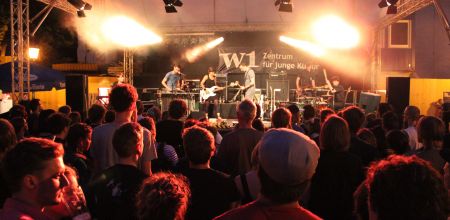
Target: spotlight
(80, 5)
(169, 5)
(284, 5)
(391, 4)
(392, 9)
(81, 14)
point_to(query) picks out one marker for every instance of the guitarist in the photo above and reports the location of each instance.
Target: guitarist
(208, 81)
(249, 82)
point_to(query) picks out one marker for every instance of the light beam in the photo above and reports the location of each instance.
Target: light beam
(306, 46)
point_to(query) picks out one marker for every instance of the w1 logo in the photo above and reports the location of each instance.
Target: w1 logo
(237, 59)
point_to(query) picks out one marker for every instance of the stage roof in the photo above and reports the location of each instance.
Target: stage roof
(237, 15)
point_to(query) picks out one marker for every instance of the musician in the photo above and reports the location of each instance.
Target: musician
(338, 93)
(208, 81)
(312, 77)
(249, 82)
(173, 79)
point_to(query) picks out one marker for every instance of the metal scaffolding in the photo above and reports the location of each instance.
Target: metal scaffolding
(128, 66)
(20, 41)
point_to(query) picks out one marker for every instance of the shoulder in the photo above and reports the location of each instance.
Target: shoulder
(249, 211)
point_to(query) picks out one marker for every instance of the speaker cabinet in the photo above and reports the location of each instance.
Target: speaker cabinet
(278, 89)
(76, 93)
(397, 93)
(369, 101)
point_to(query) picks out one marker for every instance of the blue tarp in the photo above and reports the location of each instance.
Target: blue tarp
(41, 78)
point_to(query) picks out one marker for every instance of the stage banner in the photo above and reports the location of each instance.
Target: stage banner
(263, 60)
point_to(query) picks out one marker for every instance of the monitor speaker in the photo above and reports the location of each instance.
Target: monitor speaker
(369, 101)
(278, 89)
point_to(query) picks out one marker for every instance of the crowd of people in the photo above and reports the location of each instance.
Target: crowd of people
(124, 162)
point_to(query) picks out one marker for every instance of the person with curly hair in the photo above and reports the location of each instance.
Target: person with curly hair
(163, 196)
(401, 187)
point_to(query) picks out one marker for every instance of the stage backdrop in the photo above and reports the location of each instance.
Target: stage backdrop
(263, 60)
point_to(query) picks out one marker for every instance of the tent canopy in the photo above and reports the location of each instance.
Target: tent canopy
(41, 78)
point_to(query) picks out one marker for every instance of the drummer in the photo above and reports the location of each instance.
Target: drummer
(314, 76)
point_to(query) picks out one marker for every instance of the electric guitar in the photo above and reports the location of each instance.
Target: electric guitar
(210, 92)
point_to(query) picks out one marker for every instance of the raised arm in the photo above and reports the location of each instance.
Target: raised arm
(202, 83)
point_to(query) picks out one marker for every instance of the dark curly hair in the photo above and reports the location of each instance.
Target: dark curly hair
(163, 196)
(403, 187)
(123, 97)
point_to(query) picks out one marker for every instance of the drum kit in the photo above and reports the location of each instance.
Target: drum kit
(319, 97)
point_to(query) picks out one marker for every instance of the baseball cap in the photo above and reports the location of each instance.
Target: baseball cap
(287, 156)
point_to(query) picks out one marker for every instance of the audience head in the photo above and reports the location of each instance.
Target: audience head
(308, 112)
(155, 113)
(324, 113)
(149, 123)
(163, 196)
(18, 111)
(281, 118)
(246, 111)
(431, 131)
(191, 122)
(258, 125)
(110, 116)
(367, 136)
(20, 127)
(35, 105)
(390, 121)
(406, 188)
(383, 108)
(354, 117)
(398, 142)
(34, 171)
(372, 120)
(7, 137)
(287, 161)
(75, 117)
(139, 107)
(335, 135)
(96, 114)
(411, 115)
(65, 109)
(123, 98)
(79, 138)
(295, 112)
(58, 124)
(127, 141)
(177, 109)
(198, 144)
(43, 117)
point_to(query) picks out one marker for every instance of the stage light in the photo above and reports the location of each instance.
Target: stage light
(169, 5)
(80, 6)
(306, 46)
(333, 32)
(81, 14)
(128, 33)
(196, 52)
(391, 4)
(284, 5)
(33, 53)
